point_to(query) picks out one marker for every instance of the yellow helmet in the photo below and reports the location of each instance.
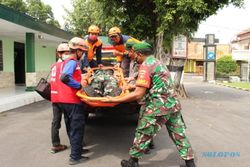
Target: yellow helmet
(93, 29)
(63, 47)
(114, 30)
(78, 43)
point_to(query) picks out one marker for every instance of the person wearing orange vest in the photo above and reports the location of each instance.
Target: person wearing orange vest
(119, 41)
(62, 52)
(95, 48)
(65, 82)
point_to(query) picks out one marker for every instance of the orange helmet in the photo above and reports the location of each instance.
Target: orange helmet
(63, 47)
(78, 43)
(93, 29)
(114, 30)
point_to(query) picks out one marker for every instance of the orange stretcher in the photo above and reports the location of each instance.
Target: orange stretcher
(94, 101)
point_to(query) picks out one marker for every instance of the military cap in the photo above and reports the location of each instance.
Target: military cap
(142, 47)
(129, 45)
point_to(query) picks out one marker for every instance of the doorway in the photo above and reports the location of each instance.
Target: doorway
(19, 63)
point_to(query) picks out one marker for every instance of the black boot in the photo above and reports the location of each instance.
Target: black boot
(132, 162)
(190, 163)
(151, 145)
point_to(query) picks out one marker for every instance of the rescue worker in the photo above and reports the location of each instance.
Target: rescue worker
(119, 41)
(103, 84)
(62, 53)
(65, 82)
(159, 106)
(95, 48)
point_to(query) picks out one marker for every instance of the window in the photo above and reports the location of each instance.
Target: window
(1, 56)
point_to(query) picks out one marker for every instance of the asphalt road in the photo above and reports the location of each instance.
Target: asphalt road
(217, 118)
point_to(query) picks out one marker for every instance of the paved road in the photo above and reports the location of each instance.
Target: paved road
(217, 118)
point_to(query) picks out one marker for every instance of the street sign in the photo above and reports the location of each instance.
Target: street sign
(180, 46)
(210, 56)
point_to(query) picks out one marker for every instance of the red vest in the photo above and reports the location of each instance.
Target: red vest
(60, 92)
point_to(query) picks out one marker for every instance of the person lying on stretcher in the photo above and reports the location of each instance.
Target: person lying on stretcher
(103, 83)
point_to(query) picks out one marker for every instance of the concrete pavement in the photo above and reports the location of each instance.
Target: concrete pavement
(14, 97)
(217, 119)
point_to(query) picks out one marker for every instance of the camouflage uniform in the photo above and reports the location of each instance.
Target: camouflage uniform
(159, 106)
(104, 83)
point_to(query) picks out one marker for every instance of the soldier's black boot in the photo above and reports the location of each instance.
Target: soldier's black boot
(132, 162)
(190, 163)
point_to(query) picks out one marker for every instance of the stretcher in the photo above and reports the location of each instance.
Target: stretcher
(95, 101)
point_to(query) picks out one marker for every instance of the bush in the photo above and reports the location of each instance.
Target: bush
(226, 65)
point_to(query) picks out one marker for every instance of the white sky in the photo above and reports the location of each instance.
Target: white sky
(225, 25)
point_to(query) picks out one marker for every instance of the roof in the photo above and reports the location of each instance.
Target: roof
(14, 23)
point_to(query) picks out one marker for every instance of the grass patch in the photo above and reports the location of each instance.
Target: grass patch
(245, 85)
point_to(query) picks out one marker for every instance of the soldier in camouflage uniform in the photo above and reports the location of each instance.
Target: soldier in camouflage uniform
(159, 106)
(103, 84)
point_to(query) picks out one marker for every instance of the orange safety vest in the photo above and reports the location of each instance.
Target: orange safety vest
(120, 48)
(92, 48)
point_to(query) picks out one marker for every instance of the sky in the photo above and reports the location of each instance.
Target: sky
(225, 24)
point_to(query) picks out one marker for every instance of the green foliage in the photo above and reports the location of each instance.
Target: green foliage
(86, 13)
(18, 5)
(226, 66)
(34, 8)
(145, 19)
(41, 11)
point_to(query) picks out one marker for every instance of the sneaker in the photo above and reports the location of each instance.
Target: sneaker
(58, 148)
(132, 162)
(74, 162)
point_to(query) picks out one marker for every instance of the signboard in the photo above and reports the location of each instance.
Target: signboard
(210, 53)
(180, 46)
(210, 56)
(241, 55)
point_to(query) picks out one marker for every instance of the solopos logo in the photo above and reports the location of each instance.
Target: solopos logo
(220, 154)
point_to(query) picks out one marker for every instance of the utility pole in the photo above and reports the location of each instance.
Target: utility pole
(209, 50)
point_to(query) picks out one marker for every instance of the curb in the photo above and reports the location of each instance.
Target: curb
(232, 86)
(19, 101)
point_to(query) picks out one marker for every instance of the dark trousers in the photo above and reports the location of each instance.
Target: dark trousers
(74, 117)
(56, 124)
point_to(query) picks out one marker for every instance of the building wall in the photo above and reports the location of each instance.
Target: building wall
(7, 75)
(8, 55)
(44, 58)
(195, 54)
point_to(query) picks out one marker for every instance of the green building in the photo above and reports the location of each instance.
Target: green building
(27, 48)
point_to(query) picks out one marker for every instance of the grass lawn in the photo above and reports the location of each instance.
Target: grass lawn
(245, 85)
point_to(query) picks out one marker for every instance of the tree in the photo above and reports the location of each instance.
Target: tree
(41, 11)
(162, 20)
(86, 13)
(226, 65)
(34, 8)
(18, 5)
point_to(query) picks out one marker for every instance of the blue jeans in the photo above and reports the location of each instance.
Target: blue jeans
(74, 117)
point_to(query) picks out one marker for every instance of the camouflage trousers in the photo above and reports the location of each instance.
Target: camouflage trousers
(148, 126)
(104, 83)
